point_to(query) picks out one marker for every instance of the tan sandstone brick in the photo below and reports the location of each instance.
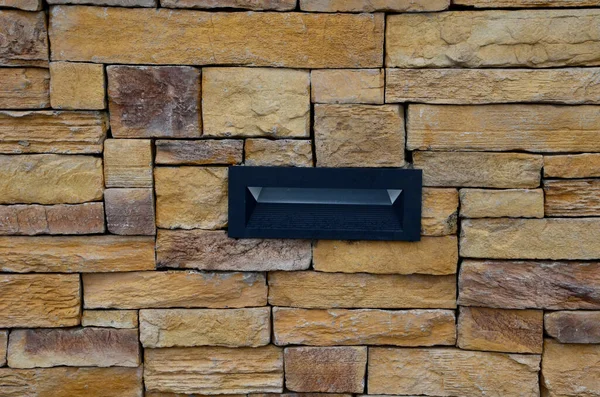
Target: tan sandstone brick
(24, 88)
(572, 198)
(110, 3)
(347, 86)
(165, 394)
(3, 346)
(439, 212)
(573, 326)
(25, 38)
(374, 5)
(526, 3)
(279, 153)
(276, 5)
(128, 163)
(110, 318)
(183, 152)
(130, 211)
(26, 5)
(77, 85)
(491, 203)
(572, 166)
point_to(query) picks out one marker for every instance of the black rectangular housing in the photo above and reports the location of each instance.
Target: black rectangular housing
(325, 203)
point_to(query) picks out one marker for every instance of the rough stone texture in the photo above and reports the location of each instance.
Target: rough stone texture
(139, 290)
(70, 254)
(499, 330)
(455, 86)
(154, 101)
(52, 132)
(496, 170)
(26, 5)
(525, 285)
(205, 327)
(213, 250)
(363, 327)
(223, 151)
(191, 197)
(280, 153)
(431, 255)
(77, 85)
(531, 128)
(573, 326)
(452, 372)
(128, 163)
(24, 88)
(572, 166)
(348, 86)
(512, 203)
(130, 211)
(526, 3)
(299, 395)
(276, 5)
(359, 136)
(214, 370)
(39, 300)
(530, 238)
(259, 102)
(201, 38)
(373, 5)
(493, 39)
(110, 318)
(3, 346)
(161, 394)
(110, 3)
(439, 212)
(50, 179)
(34, 219)
(24, 38)
(75, 347)
(570, 370)
(572, 198)
(325, 369)
(72, 382)
(333, 290)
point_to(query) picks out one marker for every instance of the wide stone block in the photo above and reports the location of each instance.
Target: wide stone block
(359, 135)
(39, 300)
(558, 238)
(439, 212)
(75, 347)
(572, 198)
(276, 5)
(373, 5)
(363, 327)
(316, 290)
(76, 254)
(491, 203)
(526, 3)
(110, 318)
(182, 152)
(573, 326)
(572, 166)
(213, 250)
(77, 85)
(26, 5)
(193, 370)
(186, 37)
(110, 3)
(279, 153)
(128, 163)
(431, 255)
(26, 38)
(530, 285)
(24, 88)
(452, 372)
(325, 369)
(130, 211)
(347, 86)
(140, 290)
(205, 327)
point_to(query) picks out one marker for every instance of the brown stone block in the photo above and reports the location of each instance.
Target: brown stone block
(77, 85)
(279, 153)
(24, 88)
(277, 5)
(26, 5)
(373, 5)
(25, 38)
(572, 198)
(347, 86)
(570, 370)
(128, 163)
(573, 326)
(110, 318)
(526, 3)
(492, 203)
(110, 3)
(182, 152)
(439, 213)
(130, 211)
(3, 347)
(572, 166)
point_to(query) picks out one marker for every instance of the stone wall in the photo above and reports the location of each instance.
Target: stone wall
(118, 121)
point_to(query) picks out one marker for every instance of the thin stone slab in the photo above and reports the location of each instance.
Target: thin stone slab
(204, 152)
(573, 326)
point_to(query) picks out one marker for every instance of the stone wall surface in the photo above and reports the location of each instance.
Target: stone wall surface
(119, 119)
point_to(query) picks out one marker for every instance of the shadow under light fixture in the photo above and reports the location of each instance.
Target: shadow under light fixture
(325, 203)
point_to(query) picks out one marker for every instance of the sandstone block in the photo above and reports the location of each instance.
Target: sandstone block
(50, 179)
(558, 238)
(499, 330)
(280, 153)
(128, 163)
(130, 211)
(178, 152)
(3, 346)
(205, 327)
(535, 285)
(39, 300)
(300, 395)
(497, 170)
(439, 213)
(325, 369)
(75, 347)
(347, 86)
(512, 203)
(24, 88)
(363, 327)
(28, 37)
(193, 370)
(531, 128)
(110, 3)
(373, 5)
(452, 372)
(316, 290)
(77, 85)
(213, 250)
(140, 290)
(202, 38)
(359, 136)
(191, 197)
(161, 394)
(431, 255)
(572, 166)
(481, 86)
(71, 254)
(52, 132)
(276, 5)
(110, 318)
(154, 101)
(87, 218)
(572, 198)
(526, 3)
(573, 326)
(26, 5)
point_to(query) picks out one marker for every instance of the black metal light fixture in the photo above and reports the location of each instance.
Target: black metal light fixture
(325, 203)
